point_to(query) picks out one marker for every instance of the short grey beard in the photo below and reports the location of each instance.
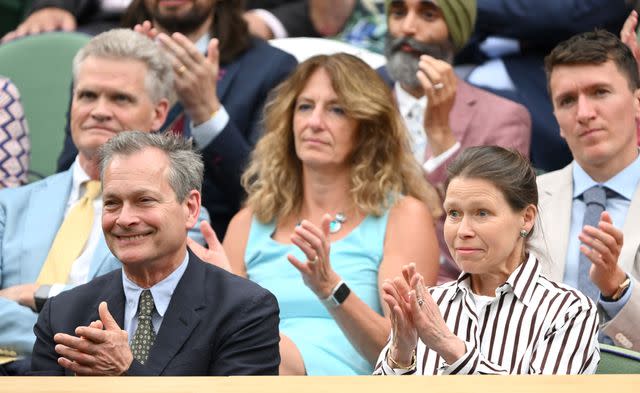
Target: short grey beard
(403, 66)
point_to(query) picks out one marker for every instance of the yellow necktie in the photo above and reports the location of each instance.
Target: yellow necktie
(71, 238)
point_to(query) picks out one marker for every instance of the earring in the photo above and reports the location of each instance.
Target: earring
(523, 233)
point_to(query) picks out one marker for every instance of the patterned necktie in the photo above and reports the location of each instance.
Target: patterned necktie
(71, 238)
(595, 199)
(144, 336)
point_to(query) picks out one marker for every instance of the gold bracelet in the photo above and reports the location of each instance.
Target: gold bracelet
(395, 365)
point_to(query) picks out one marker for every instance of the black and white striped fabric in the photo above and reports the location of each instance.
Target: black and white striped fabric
(532, 326)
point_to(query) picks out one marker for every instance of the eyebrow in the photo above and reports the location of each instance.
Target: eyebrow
(331, 101)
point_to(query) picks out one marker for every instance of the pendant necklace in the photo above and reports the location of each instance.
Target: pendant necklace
(336, 223)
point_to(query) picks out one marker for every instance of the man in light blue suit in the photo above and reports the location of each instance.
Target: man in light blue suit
(122, 82)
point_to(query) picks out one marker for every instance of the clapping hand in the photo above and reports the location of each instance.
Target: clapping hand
(314, 242)
(101, 348)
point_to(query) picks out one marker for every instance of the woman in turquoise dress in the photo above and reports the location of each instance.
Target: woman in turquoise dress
(336, 205)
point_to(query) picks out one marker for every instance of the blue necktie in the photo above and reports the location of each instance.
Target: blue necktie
(595, 199)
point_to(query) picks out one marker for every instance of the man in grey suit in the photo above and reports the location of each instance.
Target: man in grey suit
(166, 312)
(122, 81)
(589, 209)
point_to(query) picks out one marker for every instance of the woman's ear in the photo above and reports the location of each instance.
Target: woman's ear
(529, 214)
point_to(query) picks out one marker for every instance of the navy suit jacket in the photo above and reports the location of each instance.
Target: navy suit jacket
(242, 90)
(539, 26)
(217, 323)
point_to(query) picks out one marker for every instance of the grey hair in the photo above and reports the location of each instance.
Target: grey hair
(127, 44)
(185, 164)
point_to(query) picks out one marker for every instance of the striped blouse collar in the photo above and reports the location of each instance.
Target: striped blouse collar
(521, 282)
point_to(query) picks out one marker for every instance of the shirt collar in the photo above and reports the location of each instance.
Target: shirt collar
(624, 183)
(406, 102)
(521, 281)
(161, 291)
(203, 43)
(78, 178)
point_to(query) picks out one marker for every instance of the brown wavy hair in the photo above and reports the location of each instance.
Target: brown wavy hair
(382, 166)
(228, 26)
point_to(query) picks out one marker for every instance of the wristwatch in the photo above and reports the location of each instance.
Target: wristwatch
(622, 288)
(338, 295)
(40, 296)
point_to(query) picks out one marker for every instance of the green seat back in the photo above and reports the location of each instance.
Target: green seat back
(40, 66)
(616, 360)
(12, 13)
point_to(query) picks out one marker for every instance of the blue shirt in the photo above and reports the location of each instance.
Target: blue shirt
(161, 293)
(625, 184)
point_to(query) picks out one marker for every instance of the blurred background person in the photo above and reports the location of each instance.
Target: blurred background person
(444, 114)
(333, 189)
(222, 77)
(629, 36)
(266, 18)
(358, 22)
(14, 137)
(502, 316)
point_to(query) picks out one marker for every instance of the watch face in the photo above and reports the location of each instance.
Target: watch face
(341, 293)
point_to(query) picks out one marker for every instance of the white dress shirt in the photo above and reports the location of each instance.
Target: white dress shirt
(412, 110)
(161, 293)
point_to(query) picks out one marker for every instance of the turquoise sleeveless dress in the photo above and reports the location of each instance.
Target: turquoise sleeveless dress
(355, 258)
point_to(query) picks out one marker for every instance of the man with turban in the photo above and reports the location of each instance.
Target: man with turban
(444, 114)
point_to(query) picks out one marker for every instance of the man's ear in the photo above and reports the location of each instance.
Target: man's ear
(160, 113)
(636, 104)
(191, 206)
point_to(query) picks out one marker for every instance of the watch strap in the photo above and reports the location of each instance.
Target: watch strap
(622, 289)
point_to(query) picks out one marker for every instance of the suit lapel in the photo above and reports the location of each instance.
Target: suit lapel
(113, 294)
(462, 112)
(228, 73)
(631, 232)
(559, 196)
(49, 202)
(181, 317)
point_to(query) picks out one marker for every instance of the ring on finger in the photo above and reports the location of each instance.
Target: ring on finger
(314, 260)
(181, 70)
(438, 86)
(420, 302)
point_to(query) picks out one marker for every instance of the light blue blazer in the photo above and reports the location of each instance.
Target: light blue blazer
(29, 220)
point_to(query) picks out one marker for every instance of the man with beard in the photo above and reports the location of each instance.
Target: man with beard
(267, 18)
(443, 114)
(221, 85)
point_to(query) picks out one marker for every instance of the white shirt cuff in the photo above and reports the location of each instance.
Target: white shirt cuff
(613, 308)
(277, 28)
(434, 162)
(205, 133)
(56, 289)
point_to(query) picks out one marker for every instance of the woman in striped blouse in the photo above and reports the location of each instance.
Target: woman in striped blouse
(501, 316)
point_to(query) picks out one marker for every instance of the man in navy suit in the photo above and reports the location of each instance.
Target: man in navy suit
(221, 85)
(122, 82)
(166, 312)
